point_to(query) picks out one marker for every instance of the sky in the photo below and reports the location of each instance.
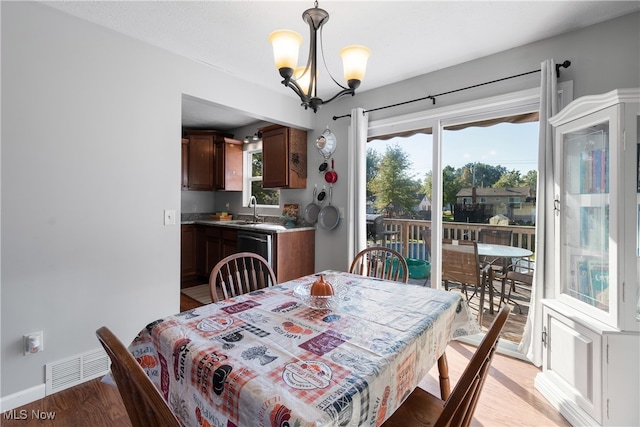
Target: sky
(514, 146)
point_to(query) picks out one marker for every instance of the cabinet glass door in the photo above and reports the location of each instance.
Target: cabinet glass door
(585, 216)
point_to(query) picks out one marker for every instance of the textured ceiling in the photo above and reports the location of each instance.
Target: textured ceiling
(407, 38)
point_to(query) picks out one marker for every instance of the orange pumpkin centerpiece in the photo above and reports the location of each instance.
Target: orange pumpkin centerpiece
(321, 288)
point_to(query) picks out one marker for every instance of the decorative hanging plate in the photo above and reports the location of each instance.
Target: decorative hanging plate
(326, 143)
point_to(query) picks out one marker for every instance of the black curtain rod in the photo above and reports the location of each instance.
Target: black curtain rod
(565, 64)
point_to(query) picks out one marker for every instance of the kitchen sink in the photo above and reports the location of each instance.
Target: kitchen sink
(265, 226)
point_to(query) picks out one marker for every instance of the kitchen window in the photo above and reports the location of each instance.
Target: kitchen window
(253, 178)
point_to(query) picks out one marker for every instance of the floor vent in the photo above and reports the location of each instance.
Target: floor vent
(75, 370)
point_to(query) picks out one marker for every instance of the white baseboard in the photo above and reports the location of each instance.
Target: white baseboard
(22, 397)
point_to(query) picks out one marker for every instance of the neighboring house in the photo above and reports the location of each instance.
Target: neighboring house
(425, 204)
(515, 203)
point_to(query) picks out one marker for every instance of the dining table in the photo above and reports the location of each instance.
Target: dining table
(267, 358)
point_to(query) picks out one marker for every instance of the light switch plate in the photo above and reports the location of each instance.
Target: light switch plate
(169, 217)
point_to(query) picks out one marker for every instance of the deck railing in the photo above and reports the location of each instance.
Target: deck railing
(405, 235)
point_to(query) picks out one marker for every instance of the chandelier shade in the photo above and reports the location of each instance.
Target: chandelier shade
(354, 62)
(286, 45)
(304, 80)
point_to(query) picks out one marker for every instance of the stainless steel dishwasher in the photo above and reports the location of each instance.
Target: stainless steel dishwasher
(258, 243)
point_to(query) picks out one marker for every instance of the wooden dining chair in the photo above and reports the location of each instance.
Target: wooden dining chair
(381, 262)
(461, 264)
(142, 400)
(423, 409)
(239, 274)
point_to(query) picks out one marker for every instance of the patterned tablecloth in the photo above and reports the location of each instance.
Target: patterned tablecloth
(266, 359)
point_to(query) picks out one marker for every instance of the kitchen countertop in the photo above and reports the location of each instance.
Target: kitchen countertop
(260, 227)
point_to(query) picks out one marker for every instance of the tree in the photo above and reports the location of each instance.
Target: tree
(481, 174)
(394, 189)
(451, 185)
(530, 179)
(428, 184)
(263, 196)
(509, 179)
(373, 159)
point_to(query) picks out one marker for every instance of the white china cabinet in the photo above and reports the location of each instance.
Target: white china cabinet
(591, 322)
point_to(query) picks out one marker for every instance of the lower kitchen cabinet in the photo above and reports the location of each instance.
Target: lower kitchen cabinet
(213, 248)
(229, 242)
(188, 270)
(294, 254)
(203, 246)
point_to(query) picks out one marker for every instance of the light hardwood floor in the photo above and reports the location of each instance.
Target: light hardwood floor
(508, 397)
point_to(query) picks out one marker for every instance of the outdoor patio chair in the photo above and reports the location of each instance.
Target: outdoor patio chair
(519, 276)
(461, 264)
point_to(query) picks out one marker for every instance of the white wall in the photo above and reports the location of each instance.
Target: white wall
(91, 157)
(91, 124)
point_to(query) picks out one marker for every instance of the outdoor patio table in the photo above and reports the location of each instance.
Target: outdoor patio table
(502, 251)
(494, 251)
(265, 358)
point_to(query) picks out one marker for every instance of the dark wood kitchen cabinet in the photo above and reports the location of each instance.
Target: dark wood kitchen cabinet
(185, 164)
(213, 248)
(219, 242)
(227, 159)
(294, 254)
(203, 246)
(188, 270)
(284, 157)
(229, 242)
(201, 157)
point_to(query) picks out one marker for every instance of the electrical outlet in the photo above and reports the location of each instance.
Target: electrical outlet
(33, 343)
(169, 217)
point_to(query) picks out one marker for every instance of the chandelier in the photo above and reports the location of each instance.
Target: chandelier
(304, 80)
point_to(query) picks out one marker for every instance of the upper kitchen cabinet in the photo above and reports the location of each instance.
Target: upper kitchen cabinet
(284, 157)
(227, 159)
(201, 158)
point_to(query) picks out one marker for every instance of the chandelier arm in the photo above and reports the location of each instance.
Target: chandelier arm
(324, 61)
(291, 83)
(346, 91)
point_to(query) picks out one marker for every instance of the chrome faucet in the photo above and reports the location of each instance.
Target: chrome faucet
(253, 200)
